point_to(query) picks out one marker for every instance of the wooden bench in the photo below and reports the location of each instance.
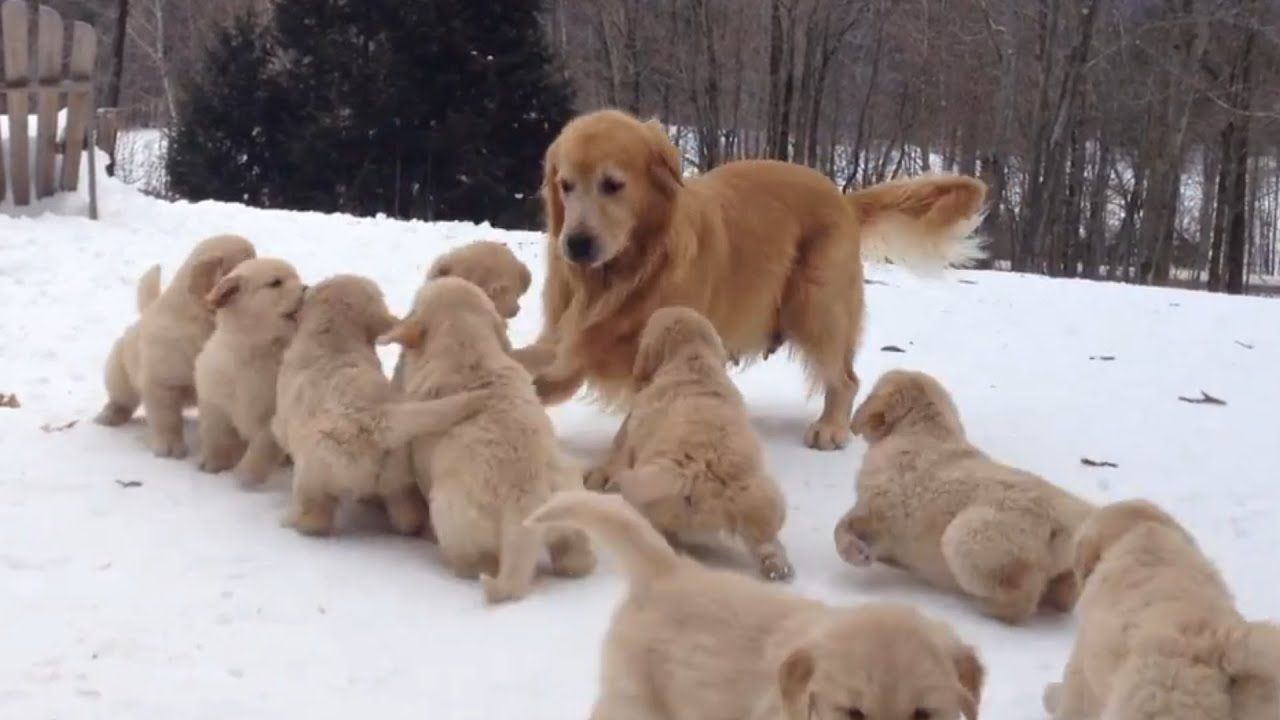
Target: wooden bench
(47, 86)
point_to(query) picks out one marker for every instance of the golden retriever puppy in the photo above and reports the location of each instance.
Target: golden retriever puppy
(693, 643)
(338, 416)
(257, 307)
(686, 455)
(1159, 635)
(770, 252)
(489, 265)
(153, 363)
(934, 505)
(489, 472)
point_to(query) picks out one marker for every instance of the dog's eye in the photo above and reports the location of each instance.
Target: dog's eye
(275, 283)
(609, 186)
(566, 187)
(921, 714)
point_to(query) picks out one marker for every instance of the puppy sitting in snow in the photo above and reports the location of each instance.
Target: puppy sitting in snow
(489, 265)
(485, 476)
(686, 455)
(693, 643)
(337, 415)
(1160, 637)
(257, 307)
(934, 505)
(153, 363)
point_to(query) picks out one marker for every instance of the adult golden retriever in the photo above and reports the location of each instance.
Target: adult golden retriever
(770, 252)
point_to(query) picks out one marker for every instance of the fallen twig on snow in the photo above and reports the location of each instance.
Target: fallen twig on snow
(1204, 399)
(892, 348)
(1097, 463)
(49, 428)
(129, 483)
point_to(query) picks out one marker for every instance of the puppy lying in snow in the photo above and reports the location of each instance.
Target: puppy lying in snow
(686, 456)
(489, 265)
(153, 363)
(484, 476)
(337, 415)
(257, 307)
(1159, 636)
(692, 643)
(936, 506)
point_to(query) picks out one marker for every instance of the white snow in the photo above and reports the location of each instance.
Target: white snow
(183, 597)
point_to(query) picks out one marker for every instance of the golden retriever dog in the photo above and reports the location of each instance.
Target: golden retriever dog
(153, 363)
(257, 306)
(489, 265)
(686, 455)
(934, 505)
(1159, 635)
(694, 643)
(338, 416)
(483, 477)
(770, 252)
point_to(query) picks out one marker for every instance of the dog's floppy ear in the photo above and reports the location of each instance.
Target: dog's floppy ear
(794, 676)
(524, 277)
(407, 333)
(439, 270)
(871, 420)
(649, 357)
(552, 203)
(224, 292)
(204, 275)
(971, 674)
(1087, 552)
(664, 162)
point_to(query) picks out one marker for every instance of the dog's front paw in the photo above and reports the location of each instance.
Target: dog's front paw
(598, 479)
(214, 464)
(495, 591)
(174, 447)
(777, 570)
(113, 415)
(824, 435)
(853, 550)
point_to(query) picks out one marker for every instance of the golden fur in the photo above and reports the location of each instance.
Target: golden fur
(483, 477)
(932, 504)
(1159, 635)
(257, 307)
(153, 363)
(337, 415)
(692, 643)
(686, 455)
(768, 251)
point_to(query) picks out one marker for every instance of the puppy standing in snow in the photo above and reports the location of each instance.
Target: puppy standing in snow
(692, 643)
(686, 456)
(1160, 637)
(257, 307)
(153, 363)
(933, 504)
(489, 265)
(487, 474)
(337, 414)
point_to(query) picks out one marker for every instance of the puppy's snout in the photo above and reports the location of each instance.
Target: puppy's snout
(580, 247)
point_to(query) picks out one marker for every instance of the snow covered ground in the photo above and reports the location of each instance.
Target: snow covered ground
(132, 587)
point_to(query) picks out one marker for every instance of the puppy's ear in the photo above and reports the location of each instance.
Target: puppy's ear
(500, 330)
(439, 270)
(406, 333)
(664, 161)
(648, 360)
(1087, 552)
(794, 676)
(204, 275)
(224, 292)
(552, 202)
(524, 277)
(871, 420)
(971, 674)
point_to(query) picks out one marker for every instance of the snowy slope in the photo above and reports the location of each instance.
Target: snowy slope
(138, 588)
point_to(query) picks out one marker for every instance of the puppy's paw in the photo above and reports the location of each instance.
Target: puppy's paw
(250, 475)
(315, 523)
(173, 447)
(213, 464)
(777, 570)
(113, 415)
(824, 435)
(1061, 593)
(572, 562)
(1052, 697)
(598, 479)
(853, 551)
(495, 591)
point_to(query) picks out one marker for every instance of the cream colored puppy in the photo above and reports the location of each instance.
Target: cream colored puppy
(693, 643)
(1160, 637)
(932, 504)
(337, 415)
(257, 307)
(489, 265)
(153, 363)
(686, 456)
(487, 474)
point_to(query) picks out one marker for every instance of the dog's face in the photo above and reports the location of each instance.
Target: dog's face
(447, 300)
(346, 304)
(882, 662)
(609, 179)
(264, 294)
(898, 394)
(211, 260)
(1108, 525)
(673, 331)
(493, 268)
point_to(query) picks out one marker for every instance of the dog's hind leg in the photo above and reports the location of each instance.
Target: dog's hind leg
(406, 508)
(220, 445)
(163, 406)
(519, 548)
(996, 557)
(261, 458)
(314, 505)
(122, 398)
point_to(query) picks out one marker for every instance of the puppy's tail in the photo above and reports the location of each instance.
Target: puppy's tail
(148, 288)
(925, 223)
(400, 422)
(643, 552)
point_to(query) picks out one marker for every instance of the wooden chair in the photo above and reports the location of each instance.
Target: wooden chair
(48, 85)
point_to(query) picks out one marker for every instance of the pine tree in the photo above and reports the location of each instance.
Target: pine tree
(222, 146)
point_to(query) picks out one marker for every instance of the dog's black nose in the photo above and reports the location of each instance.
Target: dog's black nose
(580, 248)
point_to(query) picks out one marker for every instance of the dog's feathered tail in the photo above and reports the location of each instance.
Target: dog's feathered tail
(148, 288)
(400, 422)
(643, 552)
(924, 223)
